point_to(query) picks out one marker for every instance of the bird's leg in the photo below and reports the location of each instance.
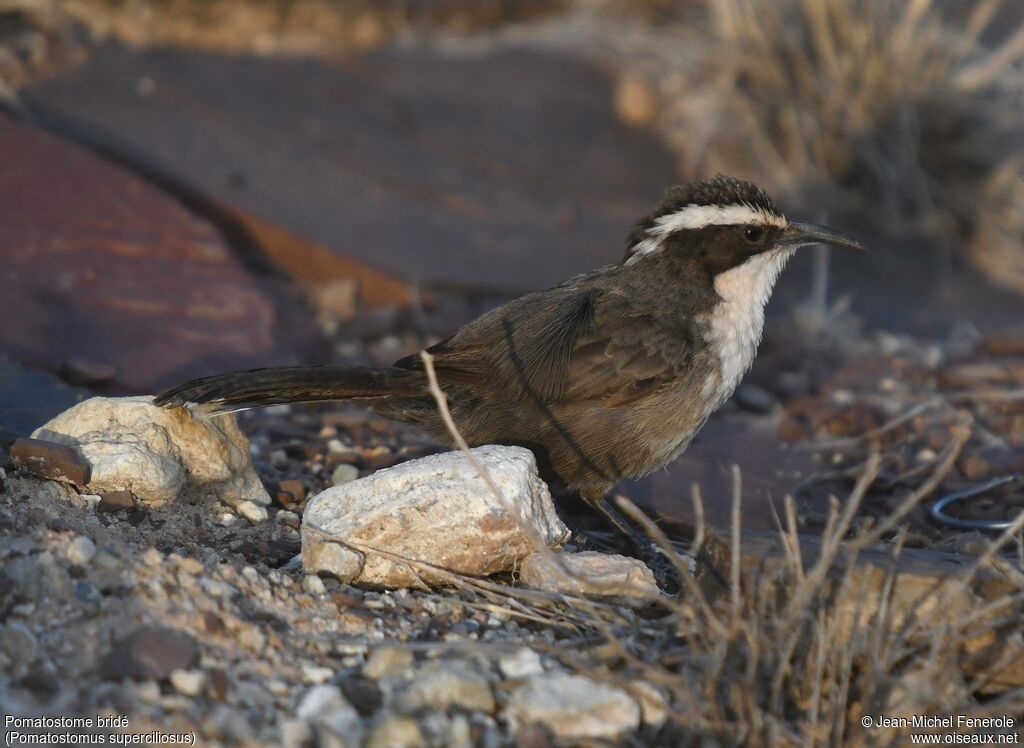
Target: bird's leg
(647, 549)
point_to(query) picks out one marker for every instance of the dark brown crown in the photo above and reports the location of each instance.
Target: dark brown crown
(718, 190)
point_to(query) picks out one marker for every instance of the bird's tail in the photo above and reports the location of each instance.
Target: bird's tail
(223, 393)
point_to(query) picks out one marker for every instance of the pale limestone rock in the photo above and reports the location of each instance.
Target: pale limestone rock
(522, 663)
(80, 551)
(314, 585)
(599, 575)
(316, 674)
(188, 682)
(252, 511)
(573, 707)
(444, 683)
(388, 662)
(157, 453)
(437, 510)
(395, 731)
(333, 720)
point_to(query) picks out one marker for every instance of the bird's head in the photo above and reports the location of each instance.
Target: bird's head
(724, 224)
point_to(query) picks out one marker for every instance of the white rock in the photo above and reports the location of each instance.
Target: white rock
(157, 453)
(318, 700)
(252, 639)
(600, 575)
(388, 662)
(91, 499)
(344, 474)
(188, 682)
(395, 731)
(316, 674)
(314, 585)
(520, 664)
(252, 511)
(216, 588)
(295, 733)
(573, 707)
(442, 684)
(330, 713)
(80, 551)
(18, 642)
(437, 510)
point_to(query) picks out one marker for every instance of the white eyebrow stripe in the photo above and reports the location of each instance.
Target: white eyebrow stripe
(697, 217)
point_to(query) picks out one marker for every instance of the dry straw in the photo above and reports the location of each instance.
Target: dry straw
(906, 105)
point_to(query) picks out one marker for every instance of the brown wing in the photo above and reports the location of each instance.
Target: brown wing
(569, 343)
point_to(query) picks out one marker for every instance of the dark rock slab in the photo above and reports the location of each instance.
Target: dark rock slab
(500, 170)
(769, 469)
(106, 276)
(117, 501)
(51, 461)
(150, 652)
(29, 398)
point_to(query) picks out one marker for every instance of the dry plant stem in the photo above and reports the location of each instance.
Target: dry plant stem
(737, 498)
(986, 396)
(793, 534)
(982, 74)
(832, 540)
(868, 436)
(945, 463)
(658, 536)
(855, 645)
(819, 678)
(573, 605)
(698, 517)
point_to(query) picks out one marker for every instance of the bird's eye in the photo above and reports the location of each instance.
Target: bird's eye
(753, 234)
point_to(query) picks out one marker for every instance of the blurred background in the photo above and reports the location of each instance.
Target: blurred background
(190, 186)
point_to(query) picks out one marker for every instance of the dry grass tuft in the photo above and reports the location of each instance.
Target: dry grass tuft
(800, 646)
(900, 104)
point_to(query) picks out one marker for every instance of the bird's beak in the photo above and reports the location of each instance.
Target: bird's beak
(799, 234)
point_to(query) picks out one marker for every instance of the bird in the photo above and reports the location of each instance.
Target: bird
(608, 375)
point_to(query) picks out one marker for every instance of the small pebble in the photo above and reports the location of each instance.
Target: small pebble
(286, 516)
(191, 565)
(277, 687)
(251, 638)
(188, 682)
(252, 511)
(316, 675)
(18, 642)
(91, 499)
(520, 664)
(314, 585)
(335, 447)
(215, 587)
(227, 519)
(80, 551)
(344, 474)
(395, 731)
(388, 662)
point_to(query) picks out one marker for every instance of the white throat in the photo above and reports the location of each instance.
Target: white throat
(737, 322)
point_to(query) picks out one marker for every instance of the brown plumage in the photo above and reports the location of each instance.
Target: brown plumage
(608, 375)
